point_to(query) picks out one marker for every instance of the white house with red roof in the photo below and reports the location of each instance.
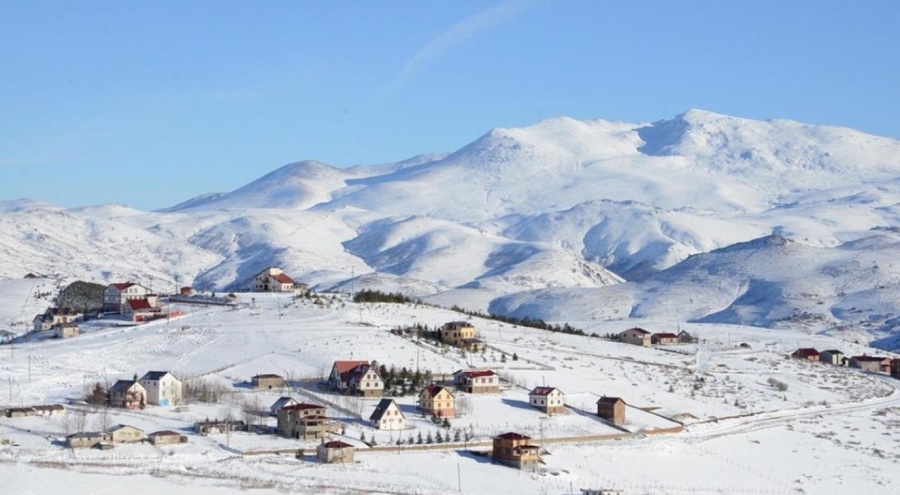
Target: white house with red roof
(548, 399)
(477, 381)
(140, 310)
(357, 377)
(115, 296)
(273, 279)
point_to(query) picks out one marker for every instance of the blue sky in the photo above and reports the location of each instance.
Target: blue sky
(151, 103)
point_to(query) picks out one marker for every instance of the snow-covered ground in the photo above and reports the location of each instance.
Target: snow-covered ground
(833, 429)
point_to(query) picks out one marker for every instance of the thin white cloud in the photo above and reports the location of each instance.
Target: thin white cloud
(458, 33)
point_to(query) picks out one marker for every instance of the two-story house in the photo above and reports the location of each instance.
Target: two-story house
(636, 336)
(163, 388)
(437, 401)
(127, 394)
(515, 450)
(548, 399)
(273, 279)
(477, 381)
(116, 295)
(303, 421)
(387, 416)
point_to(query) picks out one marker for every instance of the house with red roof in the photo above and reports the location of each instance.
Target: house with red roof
(806, 353)
(477, 381)
(273, 279)
(437, 401)
(356, 377)
(140, 310)
(115, 296)
(548, 399)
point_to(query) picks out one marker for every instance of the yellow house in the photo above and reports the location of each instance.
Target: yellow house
(438, 401)
(456, 332)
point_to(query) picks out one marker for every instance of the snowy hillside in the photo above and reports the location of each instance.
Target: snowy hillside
(546, 220)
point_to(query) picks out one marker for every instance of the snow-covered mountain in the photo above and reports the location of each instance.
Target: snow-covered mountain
(707, 217)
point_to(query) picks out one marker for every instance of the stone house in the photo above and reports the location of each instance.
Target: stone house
(611, 409)
(514, 450)
(125, 434)
(163, 388)
(806, 353)
(664, 338)
(127, 394)
(636, 336)
(66, 330)
(335, 452)
(50, 410)
(548, 399)
(272, 279)
(267, 381)
(874, 364)
(437, 401)
(303, 421)
(455, 333)
(166, 437)
(116, 295)
(685, 337)
(833, 357)
(85, 439)
(387, 416)
(477, 381)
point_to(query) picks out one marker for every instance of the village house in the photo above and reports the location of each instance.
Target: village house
(548, 399)
(363, 380)
(6, 336)
(664, 338)
(303, 421)
(274, 279)
(267, 381)
(125, 434)
(20, 412)
(611, 409)
(514, 450)
(636, 336)
(685, 337)
(50, 410)
(85, 439)
(833, 357)
(335, 452)
(163, 388)
(387, 416)
(456, 332)
(339, 371)
(437, 401)
(477, 381)
(218, 427)
(166, 437)
(280, 403)
(127, 394)
(140, 310)
(116, 295)
(875, 364)
(66, 330)
(806, 353)
(55, 317)
(186, 291)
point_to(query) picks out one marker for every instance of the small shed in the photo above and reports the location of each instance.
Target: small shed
(85, 439)
(335, 452)
(611, 409)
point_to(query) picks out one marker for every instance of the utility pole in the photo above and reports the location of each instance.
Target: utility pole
(29, 368)
(459, 477)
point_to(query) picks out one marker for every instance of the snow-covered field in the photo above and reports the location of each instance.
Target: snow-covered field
(833, 429)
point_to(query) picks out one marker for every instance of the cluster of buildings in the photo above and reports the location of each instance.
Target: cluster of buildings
(158, 388)
(121, 434)
(874, 364)
(62, 321)
(641, 337)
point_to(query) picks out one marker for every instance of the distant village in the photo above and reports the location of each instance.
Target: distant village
(308, 421)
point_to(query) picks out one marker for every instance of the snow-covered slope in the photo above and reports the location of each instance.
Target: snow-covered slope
(545, 220)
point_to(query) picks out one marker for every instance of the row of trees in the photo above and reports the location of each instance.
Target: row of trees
(403, 382)
(370, 296)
